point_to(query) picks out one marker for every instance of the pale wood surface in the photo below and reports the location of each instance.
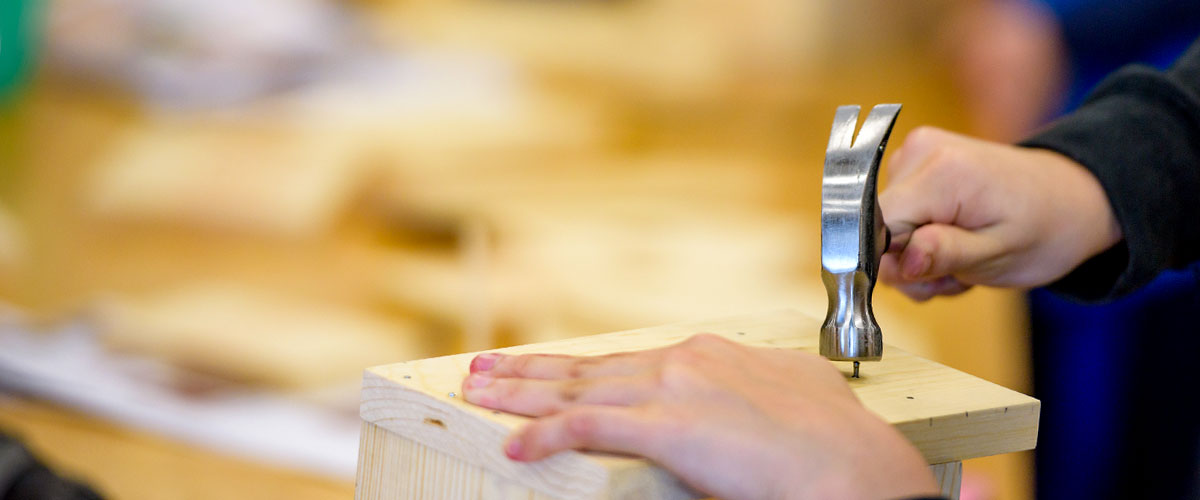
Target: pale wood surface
(947, 414)
(262, 337)
(397, 468)
(949, 478)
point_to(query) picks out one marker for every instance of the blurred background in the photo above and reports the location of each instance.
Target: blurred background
(215, 214)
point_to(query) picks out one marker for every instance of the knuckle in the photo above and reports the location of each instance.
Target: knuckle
(507, 389)
(522, 364)
(582, 426)
(922, 135)
(572, 390)
(677, 377)
(682, 354)
(701, 341)
(579, 367)
(942, 160)
(951, 165)
(705, 338)
(933, 239)
(927, 138)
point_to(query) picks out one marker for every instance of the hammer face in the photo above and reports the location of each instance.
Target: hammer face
(853, 235)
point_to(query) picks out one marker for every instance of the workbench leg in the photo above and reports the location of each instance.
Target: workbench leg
(948, 477)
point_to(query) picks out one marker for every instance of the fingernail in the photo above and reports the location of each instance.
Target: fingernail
(513, 449)
(484, 362)
(475, 381)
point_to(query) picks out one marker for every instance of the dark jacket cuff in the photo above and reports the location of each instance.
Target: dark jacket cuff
(1138, 134)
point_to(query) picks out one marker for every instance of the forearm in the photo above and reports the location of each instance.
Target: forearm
(1139, 134)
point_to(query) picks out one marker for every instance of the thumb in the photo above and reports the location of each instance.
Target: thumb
(938, 250)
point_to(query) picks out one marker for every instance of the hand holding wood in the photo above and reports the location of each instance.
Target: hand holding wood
(731, 420)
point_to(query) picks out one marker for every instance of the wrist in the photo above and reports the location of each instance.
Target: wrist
(1089, 225)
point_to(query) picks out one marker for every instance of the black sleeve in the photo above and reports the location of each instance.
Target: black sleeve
(23, 477)
(1139, 133)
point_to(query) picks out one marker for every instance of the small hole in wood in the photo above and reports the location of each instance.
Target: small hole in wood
(435, 422)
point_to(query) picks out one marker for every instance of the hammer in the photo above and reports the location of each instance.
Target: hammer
(853, 235)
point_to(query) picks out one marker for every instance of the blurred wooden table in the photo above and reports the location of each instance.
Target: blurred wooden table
(781, 121)
(123, 463)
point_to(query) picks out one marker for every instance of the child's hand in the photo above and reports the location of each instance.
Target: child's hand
(964, 212)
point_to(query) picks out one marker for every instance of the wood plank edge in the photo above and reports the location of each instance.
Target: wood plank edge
(962, 436)
(452, 429)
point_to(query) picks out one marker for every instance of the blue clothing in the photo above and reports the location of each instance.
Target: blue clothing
(1104, 35)
(1104, 384)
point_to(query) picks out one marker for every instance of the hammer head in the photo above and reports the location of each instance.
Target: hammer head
(853, 235)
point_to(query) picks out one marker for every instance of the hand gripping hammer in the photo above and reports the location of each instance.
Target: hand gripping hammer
(853, 236)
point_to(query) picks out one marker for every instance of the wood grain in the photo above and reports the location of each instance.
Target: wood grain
(949, 478)
(398, 468)
(947, 414)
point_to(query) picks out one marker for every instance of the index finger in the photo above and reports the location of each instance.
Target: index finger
(560, 366)
(920, 144)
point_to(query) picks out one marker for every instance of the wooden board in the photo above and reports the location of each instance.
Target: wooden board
(258, 336)
(947, 414)
(397, 468)
(948, 477)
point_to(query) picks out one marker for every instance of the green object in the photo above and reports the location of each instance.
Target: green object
(17, 39)
(18, 36)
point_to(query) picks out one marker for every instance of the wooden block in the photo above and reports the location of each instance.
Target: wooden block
(394, 467)
(948, 477)
(255, 178)
(256, 336)
(421, 440)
